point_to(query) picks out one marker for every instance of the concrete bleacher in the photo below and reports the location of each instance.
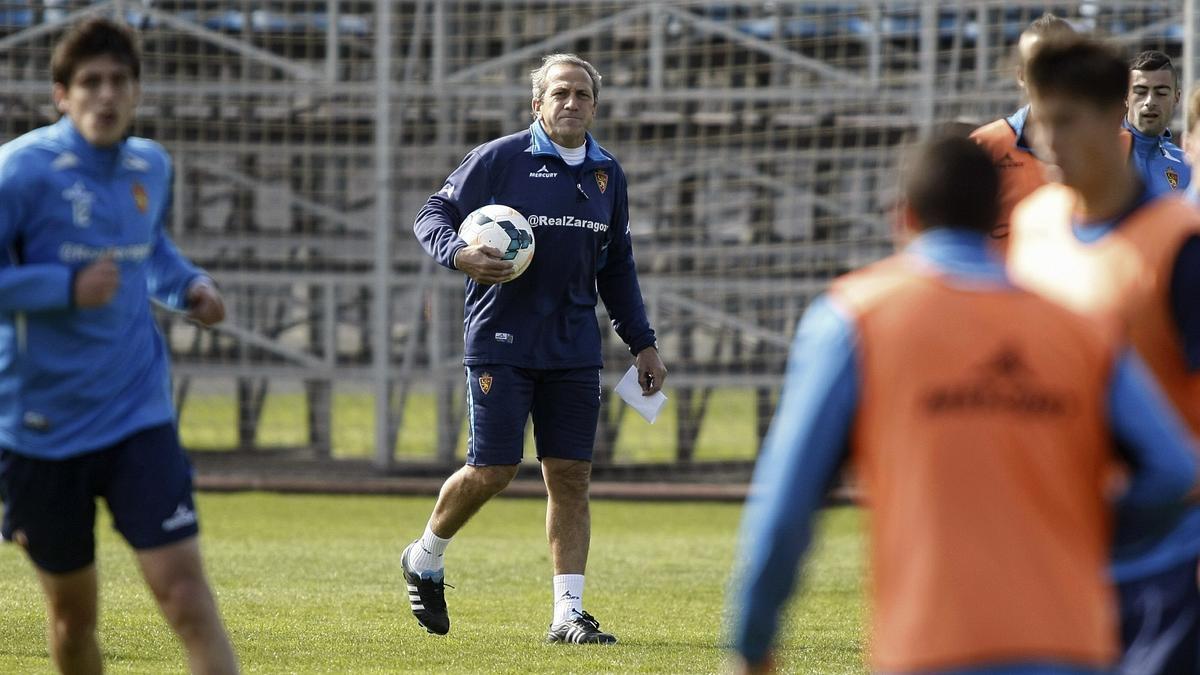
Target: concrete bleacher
(759, 139)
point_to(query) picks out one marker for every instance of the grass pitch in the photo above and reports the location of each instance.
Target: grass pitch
(311, 584)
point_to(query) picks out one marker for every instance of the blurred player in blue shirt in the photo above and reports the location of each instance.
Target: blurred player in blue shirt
(1150, 106)
(532, 344)
(85, 399)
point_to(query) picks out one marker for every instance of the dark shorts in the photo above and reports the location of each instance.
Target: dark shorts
(1160, 623)
(565, 405)
(146, 479)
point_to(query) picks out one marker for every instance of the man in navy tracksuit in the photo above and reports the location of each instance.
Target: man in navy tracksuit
(85, 397)
(533, 343)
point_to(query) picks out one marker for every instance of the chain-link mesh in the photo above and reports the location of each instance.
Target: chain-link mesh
(760, 140)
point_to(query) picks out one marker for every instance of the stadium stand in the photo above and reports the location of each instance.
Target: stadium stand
(760, 140)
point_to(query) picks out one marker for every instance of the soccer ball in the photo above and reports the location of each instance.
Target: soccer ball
(501, 228)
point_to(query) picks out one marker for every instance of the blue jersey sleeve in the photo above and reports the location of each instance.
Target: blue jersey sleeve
(1153, 438)
(24, 287)
(168, 274)
(800, 459)
(1185, 298)
(617, 281)
(467, 188)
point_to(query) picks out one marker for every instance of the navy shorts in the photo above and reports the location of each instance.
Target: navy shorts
(565, 405)
(1160, 623)
(146, 479)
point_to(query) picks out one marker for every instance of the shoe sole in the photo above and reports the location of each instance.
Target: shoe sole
(557, 641)
(552, 638)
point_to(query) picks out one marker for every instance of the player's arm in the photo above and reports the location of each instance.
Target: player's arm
(1185, 299)
(799, 461)
(169, 275)
(616, 277)
(436, 226)
(28, 287)
(172, 280)
(176, 283)
(1155, 442)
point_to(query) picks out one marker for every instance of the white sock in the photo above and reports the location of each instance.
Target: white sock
(568, 596)
(427, 555)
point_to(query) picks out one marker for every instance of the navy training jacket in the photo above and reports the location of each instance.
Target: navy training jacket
(546, 318)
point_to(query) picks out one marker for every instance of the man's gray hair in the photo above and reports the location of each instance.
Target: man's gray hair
(538, 77)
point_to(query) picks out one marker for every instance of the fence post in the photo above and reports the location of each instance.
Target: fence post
(382, 326)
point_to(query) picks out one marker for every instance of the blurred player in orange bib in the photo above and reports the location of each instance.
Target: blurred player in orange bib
(1009, 141)
(979, 419)
(1103, 243)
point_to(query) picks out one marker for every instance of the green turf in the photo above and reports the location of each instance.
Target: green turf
(310, 584)
(209, 421)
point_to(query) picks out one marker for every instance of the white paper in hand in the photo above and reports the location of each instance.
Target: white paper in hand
(646, 406)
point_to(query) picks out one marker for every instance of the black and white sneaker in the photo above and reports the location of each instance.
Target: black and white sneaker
(426, 597)
(584, 629)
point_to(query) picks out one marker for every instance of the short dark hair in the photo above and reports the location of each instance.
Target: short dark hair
(90, 38)
(949, 181)
(1079, 67)
(1048, 24)
(1151, 60)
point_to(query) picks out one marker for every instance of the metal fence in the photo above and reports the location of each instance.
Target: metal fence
(759, 139)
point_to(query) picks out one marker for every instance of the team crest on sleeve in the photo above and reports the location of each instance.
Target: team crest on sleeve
(140, 198)
(485, 382)
(1173, 178)
(602, 180)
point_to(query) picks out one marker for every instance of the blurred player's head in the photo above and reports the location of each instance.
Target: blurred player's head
(1078, 86)
(949, 181)
(1044, 27)
(96, 68)
(1153, 92)
(565, 91)
(1191, 140)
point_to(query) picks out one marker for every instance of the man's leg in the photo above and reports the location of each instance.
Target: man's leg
(464, 493)
(149, 493)
(497, 409)
(498, 402)
(49, 510)
(569, 529)
(175, 574)
(422, 561)
(568, 518)
(71, 606)
(566, 410)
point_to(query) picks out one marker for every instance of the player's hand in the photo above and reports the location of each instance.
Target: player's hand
(96, 284)
(204, 303)
(651, 371)
(483, 264)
